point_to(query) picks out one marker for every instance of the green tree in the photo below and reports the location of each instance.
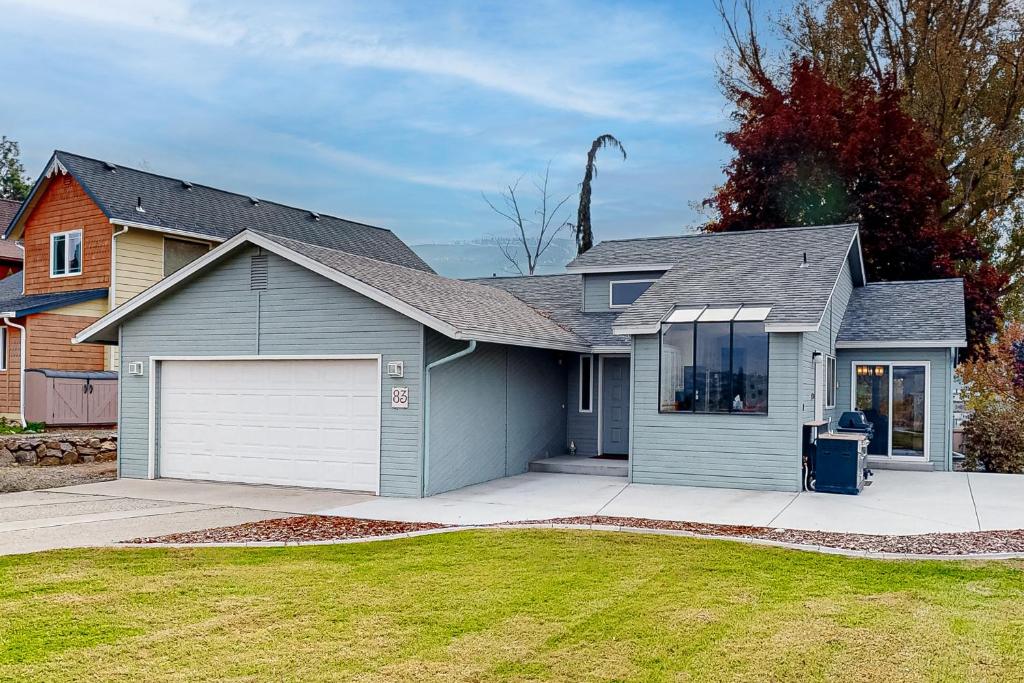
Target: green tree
(584, 231)
(14, 184)
(960, 67)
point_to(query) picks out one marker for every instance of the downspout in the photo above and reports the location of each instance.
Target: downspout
(112, 296)
(426, 408)
(23, 345)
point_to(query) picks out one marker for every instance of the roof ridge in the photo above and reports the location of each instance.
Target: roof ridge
(788, 228)
(221, 190)
(518, 277)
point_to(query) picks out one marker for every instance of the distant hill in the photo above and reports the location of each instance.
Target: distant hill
(482, 258)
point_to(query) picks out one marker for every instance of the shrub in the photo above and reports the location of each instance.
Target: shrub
(994, 437)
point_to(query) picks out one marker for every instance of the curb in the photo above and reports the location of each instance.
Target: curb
(824, 550)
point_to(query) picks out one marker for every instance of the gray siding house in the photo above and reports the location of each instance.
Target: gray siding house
(693, 360)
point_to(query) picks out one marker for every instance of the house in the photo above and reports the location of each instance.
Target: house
(10, 252)
(96, 234)
(698, 359)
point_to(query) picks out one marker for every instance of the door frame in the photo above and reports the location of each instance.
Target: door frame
(154, 362)
(600, 401)
(927, 405)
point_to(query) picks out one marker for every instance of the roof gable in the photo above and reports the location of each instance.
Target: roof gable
(178, 206)
(458, 309)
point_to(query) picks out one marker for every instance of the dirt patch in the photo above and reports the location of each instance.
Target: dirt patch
(965, 543)
(29, 477)
(291, 529)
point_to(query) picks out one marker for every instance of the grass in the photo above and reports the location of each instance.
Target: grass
(507, 605)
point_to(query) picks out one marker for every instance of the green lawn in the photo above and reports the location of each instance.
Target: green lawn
(507, 605)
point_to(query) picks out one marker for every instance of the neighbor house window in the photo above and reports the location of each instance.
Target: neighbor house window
(66, 253)
(624, 292)
(3, 348)
(714, 365)
(586, 384)
(830, 382)
(180, 253)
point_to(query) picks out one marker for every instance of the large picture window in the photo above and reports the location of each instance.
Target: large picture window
(66, 253)
(714, 367)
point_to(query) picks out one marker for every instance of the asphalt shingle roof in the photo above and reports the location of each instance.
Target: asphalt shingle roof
(13, 301)
(467, 306)
(171, 203)
(8, 209)
(925, 310)
(646, 252)
(560, 297)
(755, 267)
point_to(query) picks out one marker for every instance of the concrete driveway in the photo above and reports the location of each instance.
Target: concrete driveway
(116, 511)
(895, 503)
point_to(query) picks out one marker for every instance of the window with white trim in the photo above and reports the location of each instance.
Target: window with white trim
(66, 253)
(586, 383)
(831, 381)
(622, 293)
(3, 347)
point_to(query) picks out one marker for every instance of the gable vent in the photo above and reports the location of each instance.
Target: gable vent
(259, 272)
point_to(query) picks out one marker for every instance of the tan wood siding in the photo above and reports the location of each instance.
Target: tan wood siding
(65, 206)
(10, 379)
(140, 263)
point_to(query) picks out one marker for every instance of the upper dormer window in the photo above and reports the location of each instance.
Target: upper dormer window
(66, 253)
(624, 292)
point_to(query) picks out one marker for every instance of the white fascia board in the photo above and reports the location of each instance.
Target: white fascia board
(619, 268)
(636, 329)
(929, 344)
(790, 327)
(169, 231)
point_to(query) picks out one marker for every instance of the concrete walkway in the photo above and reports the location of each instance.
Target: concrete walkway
(896, 503)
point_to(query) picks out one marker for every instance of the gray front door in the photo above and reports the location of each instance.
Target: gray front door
(615, 406)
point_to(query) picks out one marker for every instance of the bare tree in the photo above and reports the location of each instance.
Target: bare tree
(584, 232)
(534, 233)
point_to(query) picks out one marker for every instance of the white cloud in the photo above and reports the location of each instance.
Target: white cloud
(534, 58)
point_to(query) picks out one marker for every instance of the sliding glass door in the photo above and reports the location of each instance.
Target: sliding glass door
(894, 398)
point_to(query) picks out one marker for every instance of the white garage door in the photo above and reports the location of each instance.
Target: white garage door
(291, 422)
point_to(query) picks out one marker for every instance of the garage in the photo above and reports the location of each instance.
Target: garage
(285, 421)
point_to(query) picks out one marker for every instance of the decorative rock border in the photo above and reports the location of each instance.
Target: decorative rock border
(58, 448)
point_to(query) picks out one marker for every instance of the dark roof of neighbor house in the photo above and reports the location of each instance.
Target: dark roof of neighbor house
(471, 308)
(11, 251)
(178, 205)
(8, 210)
(15, 304)
(919, 311)
(757, 267)
(559, 297)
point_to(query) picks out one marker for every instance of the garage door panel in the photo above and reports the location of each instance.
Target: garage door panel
(293, 422)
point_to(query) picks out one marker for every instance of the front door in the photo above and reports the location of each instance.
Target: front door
(615, 405)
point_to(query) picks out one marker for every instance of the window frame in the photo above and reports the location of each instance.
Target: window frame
(81, 241)
(611, 290)
(3, 348)
(590, 388)
(831, 388)
(661, 341)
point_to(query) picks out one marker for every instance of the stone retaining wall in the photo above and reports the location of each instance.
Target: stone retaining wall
(57, 448)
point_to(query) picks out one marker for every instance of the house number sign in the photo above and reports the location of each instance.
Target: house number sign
(399, 397)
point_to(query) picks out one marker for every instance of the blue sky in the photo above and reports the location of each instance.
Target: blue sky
(397, 114)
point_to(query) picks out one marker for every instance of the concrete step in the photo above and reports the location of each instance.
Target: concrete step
(579, 464)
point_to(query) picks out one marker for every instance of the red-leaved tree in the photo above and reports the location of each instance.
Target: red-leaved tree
(817, 154)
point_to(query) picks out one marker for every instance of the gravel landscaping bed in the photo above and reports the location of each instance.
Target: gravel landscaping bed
(964, 543)
(292, 529)
(29, 477)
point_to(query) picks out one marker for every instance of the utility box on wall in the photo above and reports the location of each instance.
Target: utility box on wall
(66, 398)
